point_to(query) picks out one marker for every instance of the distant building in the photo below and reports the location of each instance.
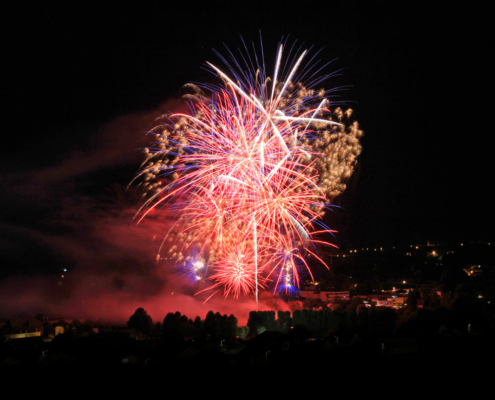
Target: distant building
(399, 301)
(384, 300)
(324, 296)
(342, 295)
(17, 328)
(59, 330)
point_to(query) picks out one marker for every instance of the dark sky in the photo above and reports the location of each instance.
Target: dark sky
(81, 84)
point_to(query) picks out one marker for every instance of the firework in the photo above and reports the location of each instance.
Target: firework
(248, 174)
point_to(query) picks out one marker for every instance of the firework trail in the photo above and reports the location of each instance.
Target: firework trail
(249, 173)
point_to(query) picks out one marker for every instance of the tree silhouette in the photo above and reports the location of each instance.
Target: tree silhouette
(141, 320)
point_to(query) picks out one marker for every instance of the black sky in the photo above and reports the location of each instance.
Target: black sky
(80, 81)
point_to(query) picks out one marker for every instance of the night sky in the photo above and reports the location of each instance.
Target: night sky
(81, 85)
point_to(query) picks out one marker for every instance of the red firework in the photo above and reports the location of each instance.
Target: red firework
(243, 172)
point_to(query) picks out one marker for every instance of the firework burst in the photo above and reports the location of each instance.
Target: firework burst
(249, 172)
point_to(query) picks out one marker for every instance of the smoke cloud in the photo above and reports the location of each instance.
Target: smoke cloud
(72, 217)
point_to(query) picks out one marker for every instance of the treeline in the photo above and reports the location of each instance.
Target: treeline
(342, 320)
(178, 325)
(311, 323)
(215, 324)
(321, 323)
